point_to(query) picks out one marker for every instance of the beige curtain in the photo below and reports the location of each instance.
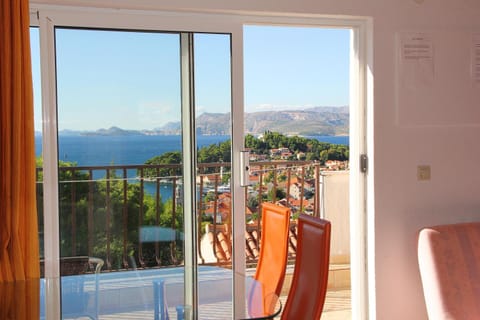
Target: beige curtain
(19, 251)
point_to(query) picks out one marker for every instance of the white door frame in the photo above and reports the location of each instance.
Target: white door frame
(361, 126)
(361, 143)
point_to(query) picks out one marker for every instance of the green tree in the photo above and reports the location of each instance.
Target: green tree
(256, 145)
(226, 178)
(279, 194)
(210, 196)
(252, 203)
(168, 158)
(275, 140)
(297, 144)
(269, 177)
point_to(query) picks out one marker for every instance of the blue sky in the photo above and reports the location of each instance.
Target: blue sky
(131, 79)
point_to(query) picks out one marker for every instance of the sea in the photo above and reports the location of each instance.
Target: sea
(134, 150)
(108, 150)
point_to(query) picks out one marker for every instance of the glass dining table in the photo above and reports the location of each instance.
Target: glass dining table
(215, 298)
(159, 294)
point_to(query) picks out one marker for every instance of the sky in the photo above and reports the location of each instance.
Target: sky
(132, 79)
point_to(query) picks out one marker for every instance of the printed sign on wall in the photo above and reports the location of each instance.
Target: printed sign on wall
(416, 60)
(476, 58)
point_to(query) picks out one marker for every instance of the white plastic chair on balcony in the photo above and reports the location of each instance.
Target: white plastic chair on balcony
(76, 302)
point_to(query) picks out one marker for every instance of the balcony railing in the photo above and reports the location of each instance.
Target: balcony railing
(131, 215)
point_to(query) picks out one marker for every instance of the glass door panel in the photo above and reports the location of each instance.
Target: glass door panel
(120, 101)
(212, 70)
(297, 126)
(120, 174)
(37, 104)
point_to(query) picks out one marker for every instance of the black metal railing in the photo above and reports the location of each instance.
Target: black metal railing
(131, 215)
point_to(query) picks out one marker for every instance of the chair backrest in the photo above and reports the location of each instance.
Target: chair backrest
(310, 278)
(272, 261)
(449, 260)
(76, 301)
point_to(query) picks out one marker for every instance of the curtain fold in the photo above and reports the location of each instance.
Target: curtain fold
(19, 249)
(20, 300)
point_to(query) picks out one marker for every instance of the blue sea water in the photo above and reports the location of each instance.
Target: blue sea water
(134, 150)
(345, 140)
(108, 150)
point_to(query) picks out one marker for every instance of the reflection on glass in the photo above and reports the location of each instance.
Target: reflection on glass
(33, 286)
(119, 161)
(296, 81)
(116, 92)
(37, 104)
(120, 174)
(213, 111)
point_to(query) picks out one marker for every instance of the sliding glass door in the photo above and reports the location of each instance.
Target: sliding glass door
(139, 162)
(136, 112)
(117, 93)
(139, 151)
(120, 169)
(139, 169)
(213, 176)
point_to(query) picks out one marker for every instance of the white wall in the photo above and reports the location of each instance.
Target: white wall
(437, 124)
(336, 205)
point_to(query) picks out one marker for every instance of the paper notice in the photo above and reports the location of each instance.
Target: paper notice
(416, 63)
(417, 47)
(476, 58)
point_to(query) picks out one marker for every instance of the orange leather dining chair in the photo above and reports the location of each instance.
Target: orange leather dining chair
(309, 283)
(272, 260)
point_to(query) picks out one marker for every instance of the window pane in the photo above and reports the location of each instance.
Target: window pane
(37, 114)
(37, 103)
(297, 125)
(119, 165)
(213, 126)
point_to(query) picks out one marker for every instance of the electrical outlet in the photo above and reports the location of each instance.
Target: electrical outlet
(423, 173)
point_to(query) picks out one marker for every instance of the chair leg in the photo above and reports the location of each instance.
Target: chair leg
(180, 313)
(160, 311)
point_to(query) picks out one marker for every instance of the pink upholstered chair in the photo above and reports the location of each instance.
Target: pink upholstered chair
(449, 262)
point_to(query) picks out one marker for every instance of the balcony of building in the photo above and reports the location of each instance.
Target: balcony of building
(120, 214)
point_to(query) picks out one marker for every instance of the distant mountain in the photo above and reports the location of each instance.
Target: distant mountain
(113, 131)
(344, 109)
(170, 128)
(68, 132)
(213, 124)
(315, 121)
(312, 121)
(333, 121)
